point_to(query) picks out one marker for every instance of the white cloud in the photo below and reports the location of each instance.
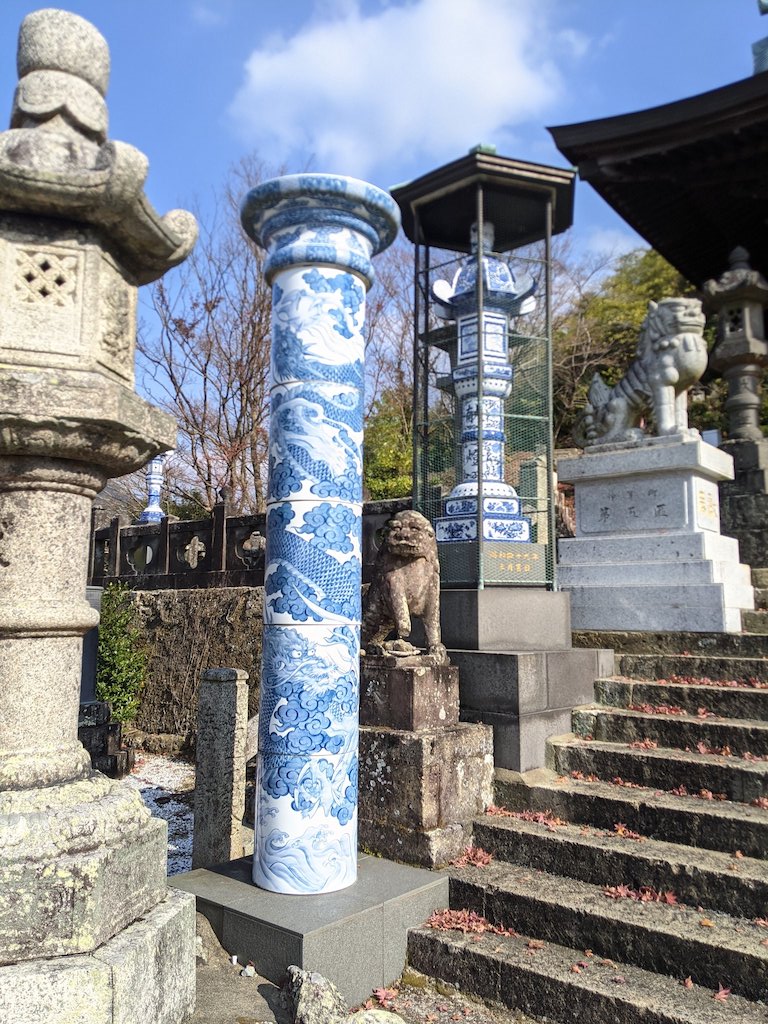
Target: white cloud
(411, 83)
(611, 242)
(207, 15)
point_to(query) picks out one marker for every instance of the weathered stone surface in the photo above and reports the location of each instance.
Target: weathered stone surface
(433, 848)
(425, 780)
(187, 632)
(82, 865)
(222, 723)
(405, 584)
(671, 356)
(312, 998)
(411, 697)
(145, 973)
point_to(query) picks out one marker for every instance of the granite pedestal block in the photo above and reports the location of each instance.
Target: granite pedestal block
(355, 937)
(639, 560)
(527, 696)
(408, 693)
(505, 619)
(424, 776)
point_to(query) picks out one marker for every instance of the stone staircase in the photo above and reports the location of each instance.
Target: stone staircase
(632, 870)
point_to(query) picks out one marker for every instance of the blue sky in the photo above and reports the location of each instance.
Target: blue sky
(389, 89)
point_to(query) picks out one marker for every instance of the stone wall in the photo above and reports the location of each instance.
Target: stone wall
(188, 631)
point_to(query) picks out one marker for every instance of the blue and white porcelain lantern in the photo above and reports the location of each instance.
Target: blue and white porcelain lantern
(504, 295)
(320, 232)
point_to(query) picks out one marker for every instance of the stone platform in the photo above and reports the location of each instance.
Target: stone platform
(518, 671)
(424, 776)
(355, 937)
(648, 554)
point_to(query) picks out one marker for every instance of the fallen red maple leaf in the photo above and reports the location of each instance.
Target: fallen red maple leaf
(722, 993)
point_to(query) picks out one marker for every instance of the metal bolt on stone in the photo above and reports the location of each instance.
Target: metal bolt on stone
(85, 910)
(320, 232)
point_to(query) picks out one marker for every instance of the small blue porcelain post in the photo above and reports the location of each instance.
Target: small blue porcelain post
(153, 513)
(320, 232)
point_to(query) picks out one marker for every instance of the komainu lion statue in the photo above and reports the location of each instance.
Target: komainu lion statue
(406, 583)
(671, 356)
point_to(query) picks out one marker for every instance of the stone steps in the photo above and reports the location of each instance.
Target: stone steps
(651, 935)
(662, 768)
(620, 725)
(707, 878)
(622, 803)
(761, 598)
(743, 702)
(662, 666)
(688, 820)
(738, 645)
(755, 621)
(543, 982)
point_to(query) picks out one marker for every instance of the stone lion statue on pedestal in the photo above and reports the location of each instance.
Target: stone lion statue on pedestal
(406, 583)
(671, 356)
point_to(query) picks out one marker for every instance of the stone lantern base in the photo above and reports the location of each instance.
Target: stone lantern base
(142, 974)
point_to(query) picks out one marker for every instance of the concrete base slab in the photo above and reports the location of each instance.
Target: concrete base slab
(145, 973)
(355, 937)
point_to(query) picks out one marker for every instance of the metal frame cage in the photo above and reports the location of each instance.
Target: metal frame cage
(526, 204)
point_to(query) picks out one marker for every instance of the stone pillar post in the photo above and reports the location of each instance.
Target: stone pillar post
(320, 232)
(222, 729)
(81, 861)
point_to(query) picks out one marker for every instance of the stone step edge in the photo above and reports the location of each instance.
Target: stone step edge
(703, 688)
(731, 762)
(551, 896)
(634, 796)
(546, 982)
(618, 711)
(646, 850)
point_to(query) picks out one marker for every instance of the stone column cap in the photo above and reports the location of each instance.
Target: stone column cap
(225, 675)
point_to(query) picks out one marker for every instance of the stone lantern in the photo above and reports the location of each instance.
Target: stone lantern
(740, 354)
(85, 913)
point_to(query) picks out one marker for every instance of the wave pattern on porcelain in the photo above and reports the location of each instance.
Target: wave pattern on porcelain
(320, 232)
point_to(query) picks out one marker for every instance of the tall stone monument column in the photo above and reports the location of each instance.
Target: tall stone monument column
(320, 232)
(85, 914)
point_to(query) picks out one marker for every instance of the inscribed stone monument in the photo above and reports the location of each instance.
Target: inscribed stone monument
(648, 554)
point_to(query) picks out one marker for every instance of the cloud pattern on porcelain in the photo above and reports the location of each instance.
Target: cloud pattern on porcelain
(306, 809)
(313, 567)
(317, 449)
(307, 781)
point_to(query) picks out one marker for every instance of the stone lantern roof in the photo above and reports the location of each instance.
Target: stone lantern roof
(56, 159)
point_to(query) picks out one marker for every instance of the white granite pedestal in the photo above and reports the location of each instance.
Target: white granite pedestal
(648, 553)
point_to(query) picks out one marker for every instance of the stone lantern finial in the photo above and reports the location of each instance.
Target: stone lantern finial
(56, 158)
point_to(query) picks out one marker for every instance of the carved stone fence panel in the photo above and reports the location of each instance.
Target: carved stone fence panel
(221, 551)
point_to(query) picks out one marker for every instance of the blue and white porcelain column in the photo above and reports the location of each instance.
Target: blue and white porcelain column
(482, 379)
(320, 232)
